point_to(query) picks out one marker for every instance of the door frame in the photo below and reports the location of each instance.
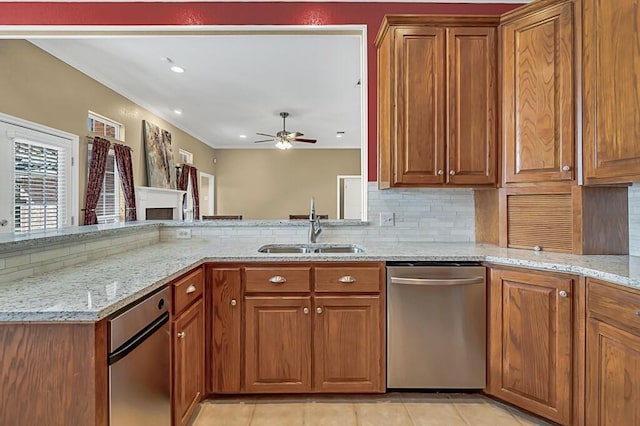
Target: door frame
(212, 181)
(339, 181)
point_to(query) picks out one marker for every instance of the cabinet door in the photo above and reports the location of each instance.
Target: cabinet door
(278, 344)
(188, 362)
(538, 96)
(613, 376)
(472, 141)
(348, 344)
(611, 91)
(530, 342)
(420, 106)
(225, 330)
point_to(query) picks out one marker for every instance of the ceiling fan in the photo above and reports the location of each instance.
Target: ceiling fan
(284, 138)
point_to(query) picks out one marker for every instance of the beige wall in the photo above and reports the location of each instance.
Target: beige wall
(271, 184)
(36, 86)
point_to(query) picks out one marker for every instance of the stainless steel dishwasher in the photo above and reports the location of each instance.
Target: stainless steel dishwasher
(138, 359)
(436, 325)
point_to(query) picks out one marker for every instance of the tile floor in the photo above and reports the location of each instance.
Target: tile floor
(394, 409)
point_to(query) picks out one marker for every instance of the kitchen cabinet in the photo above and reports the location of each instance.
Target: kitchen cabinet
(530, 341)
(224, 331)
(188, 345)
(537, 93)
(613, 355)
(437, 105)
(611, 91)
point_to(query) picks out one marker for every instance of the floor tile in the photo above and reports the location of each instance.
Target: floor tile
(388, 412)
(481, 412)
(329, 412)
(278, 413)
(432, 410)
(224, 413)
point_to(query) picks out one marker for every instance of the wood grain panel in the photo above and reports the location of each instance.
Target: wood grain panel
(471, 71)
(420, 106)
(386, 107)
(188, 361)
(297, 279)
(347, 344)
(226, 332)
(544, 220)
(487, 216)
(613, 372)
(531, 342)
(602, 214)
(611, 90)
(538, 105)
(187, 290)
(50, 375)
(614, 305)
(277, 344)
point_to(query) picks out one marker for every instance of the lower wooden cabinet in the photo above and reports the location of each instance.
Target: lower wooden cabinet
(613, 356)
(347, 344)
(530, 341)
(296, 328)
(278, 344)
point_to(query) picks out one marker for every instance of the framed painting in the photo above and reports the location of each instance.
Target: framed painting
(159, 153)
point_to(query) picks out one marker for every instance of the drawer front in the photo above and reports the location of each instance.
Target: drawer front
(613, 305)
(278, 280)
(347, 280)
(187, 290)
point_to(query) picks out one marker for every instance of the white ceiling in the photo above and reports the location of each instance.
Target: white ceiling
(233, 84)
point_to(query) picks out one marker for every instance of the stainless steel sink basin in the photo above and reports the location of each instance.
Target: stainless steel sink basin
(311, 248)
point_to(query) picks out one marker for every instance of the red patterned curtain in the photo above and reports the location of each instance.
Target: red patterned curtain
(196, 193)
(125, 170)
(183, 183)
(99, 154)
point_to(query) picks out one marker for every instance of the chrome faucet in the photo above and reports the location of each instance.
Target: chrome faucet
(314, 223)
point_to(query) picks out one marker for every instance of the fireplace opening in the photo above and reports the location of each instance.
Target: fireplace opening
(162, 213)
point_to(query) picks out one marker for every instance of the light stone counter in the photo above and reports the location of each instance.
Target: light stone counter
(94, 290)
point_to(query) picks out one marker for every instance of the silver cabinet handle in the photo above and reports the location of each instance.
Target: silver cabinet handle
(563, 294)
(234, 302)
(440, 172)
(566, 168)
(347, 279)
(305, 311)
(319, 310)
(191, 289)
(452, 172)
(435, 281)
(181, 335)
(638, 313)
(277, 279)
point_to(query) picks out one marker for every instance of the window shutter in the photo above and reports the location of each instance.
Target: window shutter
(39, 182)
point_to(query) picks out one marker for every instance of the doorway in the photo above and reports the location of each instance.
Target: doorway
(349, 197)
(207, 194)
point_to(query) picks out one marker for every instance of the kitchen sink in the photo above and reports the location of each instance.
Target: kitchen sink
(311, 248)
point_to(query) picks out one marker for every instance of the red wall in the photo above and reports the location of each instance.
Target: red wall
(300, 13)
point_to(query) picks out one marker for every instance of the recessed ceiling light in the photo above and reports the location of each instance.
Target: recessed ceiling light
(339, 134)
(177, 69)
(243, 136)
(178, 111)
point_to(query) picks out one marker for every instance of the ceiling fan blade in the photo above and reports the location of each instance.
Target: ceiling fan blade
(294, 135)
(305, 140)
(266, 140)
(264, 134)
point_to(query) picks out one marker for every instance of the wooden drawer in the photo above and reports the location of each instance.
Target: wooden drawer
(614, 305)
(278, 280)
(187, 290)
(347, 280)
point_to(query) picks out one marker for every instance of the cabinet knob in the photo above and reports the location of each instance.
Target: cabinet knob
(440, 172)
(181, 335)
(537, 248)
(566, 168)
(319, 310)
(234, 302)
(563, 294)
(452, 172)
(305, 311)
(347, 279)
(191, 289)
(638, 313)
(277, 279)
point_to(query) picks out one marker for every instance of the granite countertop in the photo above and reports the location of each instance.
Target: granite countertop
(96, 289)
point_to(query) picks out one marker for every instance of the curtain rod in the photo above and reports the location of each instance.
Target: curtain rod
(90, 138)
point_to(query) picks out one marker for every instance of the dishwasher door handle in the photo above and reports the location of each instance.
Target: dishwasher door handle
(437, 281)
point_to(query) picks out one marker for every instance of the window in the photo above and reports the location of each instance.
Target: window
(110, 202)
(185, 156)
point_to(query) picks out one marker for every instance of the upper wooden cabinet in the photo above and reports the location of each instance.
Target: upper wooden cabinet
(611, 91)
(437, 101)
(538, 97)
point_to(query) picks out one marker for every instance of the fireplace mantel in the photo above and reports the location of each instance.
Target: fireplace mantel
(158, 198)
